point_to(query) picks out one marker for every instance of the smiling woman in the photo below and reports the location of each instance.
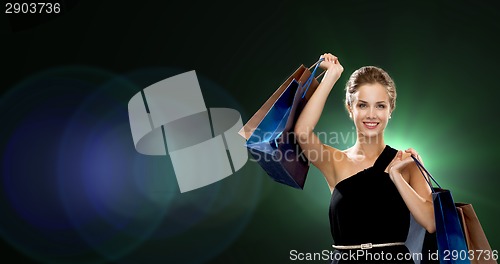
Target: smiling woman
(368, 171)
(371, 97)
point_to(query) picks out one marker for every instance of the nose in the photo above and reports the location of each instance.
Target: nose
(372, 113)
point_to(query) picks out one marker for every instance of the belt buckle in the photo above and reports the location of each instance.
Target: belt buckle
(366, 246)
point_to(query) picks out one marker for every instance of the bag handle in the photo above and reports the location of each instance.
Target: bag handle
(427, 173)
(310, 79)
(323, 72)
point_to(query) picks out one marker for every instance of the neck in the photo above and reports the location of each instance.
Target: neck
(369, 147)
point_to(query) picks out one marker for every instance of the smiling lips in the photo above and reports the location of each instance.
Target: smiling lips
(371, 125)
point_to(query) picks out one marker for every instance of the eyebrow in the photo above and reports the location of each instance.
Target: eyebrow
(379, 102)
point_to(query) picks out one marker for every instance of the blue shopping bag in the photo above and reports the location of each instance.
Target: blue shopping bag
(451, 244)
(273, 144)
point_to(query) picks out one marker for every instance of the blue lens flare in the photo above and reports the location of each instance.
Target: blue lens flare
(76, 186)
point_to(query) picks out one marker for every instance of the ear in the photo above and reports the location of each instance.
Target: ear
(349, 110)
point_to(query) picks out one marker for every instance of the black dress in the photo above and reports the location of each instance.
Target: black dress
(367, 208)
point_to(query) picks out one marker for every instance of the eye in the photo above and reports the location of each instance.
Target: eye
(362, 105)
(381, 106)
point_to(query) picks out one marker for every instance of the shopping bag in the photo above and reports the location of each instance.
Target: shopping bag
(272, 142)
(479, 249)
(252, 124)
(452, 248)
(301, 75)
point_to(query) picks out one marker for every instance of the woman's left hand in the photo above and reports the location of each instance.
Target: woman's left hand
(401, 164)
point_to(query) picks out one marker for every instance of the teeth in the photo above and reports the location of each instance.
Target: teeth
(371, 124)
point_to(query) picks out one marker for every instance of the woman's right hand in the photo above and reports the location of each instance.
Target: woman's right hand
(332, 65)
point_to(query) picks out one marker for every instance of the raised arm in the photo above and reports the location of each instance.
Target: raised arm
(313, 148)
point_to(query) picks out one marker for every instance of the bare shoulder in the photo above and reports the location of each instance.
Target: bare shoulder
(347, 164)
(336, 159)
(337, 154)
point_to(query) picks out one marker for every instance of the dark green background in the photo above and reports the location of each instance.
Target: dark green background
(443, 56)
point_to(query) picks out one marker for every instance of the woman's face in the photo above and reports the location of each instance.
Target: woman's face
(370, 109)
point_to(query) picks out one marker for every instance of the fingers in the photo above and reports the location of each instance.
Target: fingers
(399, 163)
(329, 57)
(414, 153)
(330, 61)
(399, 156)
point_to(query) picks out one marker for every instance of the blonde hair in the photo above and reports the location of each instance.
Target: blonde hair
(370, 75)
